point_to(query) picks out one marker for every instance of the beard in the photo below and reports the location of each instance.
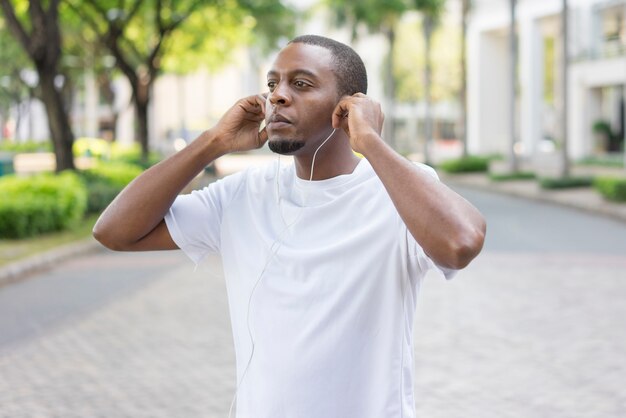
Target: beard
(285, 146)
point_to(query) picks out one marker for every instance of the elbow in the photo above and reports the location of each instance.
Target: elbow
(465, 247)
(104, 237)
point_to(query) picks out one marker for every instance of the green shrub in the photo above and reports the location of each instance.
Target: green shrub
(608, 160)
(28, 146)
(132, 155)
(565, 182)
(91, 147)
(43, 203)
(611, 188)
(520, 175)
(105, 181)
(469, 164)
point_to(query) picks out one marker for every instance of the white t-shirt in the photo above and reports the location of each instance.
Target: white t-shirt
(334, 276)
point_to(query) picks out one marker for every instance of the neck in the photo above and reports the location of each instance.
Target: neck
(333, 159)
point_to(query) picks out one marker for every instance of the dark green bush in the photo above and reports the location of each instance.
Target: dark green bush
(43, 203)
(611, 188)
(105, 181)
(565, 182)
(520, 175)
(469, 164)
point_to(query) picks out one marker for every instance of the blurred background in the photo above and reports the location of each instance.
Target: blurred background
(518, 104)
(456, 77)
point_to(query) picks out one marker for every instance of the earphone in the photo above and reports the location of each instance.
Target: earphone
(273, 251)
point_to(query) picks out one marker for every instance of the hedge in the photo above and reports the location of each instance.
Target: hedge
(611, 188)
(43, 203)
(105, 181)
(565, 182)
(469, 164)
(519, 175)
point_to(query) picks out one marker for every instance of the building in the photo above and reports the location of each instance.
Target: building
(596, 82)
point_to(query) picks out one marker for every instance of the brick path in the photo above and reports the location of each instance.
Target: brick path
(525, 336)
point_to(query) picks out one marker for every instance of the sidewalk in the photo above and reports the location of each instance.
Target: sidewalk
(585, 198)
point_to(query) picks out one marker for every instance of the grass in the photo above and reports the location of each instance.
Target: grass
(13, 250)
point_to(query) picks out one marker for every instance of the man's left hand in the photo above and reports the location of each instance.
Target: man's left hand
(361, 118)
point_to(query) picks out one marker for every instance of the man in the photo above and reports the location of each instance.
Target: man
(323, 258)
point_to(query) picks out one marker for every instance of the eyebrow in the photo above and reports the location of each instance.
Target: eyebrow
(298, 71)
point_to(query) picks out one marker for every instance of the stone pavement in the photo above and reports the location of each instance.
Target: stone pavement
(513, 336)
(163, 351)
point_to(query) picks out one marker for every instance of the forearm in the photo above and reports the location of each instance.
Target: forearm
(449, 229)
(142, 205)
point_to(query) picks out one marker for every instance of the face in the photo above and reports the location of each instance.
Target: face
(302, 97)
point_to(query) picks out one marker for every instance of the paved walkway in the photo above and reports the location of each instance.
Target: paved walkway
(515, 335)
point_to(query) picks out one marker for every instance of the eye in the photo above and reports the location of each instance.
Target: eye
(271, 85)
(300, 84)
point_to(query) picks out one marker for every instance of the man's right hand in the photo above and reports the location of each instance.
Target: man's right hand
(134, 220)
(239, 128)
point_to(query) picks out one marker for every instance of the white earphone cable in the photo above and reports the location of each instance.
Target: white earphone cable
(273, 251)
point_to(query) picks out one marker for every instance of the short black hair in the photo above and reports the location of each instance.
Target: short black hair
(348, 65)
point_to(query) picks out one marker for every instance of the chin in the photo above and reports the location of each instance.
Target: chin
(285, 146)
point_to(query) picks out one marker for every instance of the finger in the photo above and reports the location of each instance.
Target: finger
(340, 114)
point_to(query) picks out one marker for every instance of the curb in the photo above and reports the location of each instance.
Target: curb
(594, 204)
(16, 271)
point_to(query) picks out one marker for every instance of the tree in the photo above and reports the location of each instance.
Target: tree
(565, 166)
(431, 11)
(142, 34)
(514, 166)
(13, 90)
(378, 16)
(38, 31)
(462, 127)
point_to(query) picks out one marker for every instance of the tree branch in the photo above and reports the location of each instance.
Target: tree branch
(14, 25)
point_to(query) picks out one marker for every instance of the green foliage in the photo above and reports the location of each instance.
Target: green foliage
(43, 203)
(91, 147)
(14, 61)
(552, 183)
(24, 147)
(132, 155)
(409, 62)
(469, 164)
(520, 175)
(105, 181)
(375, 14)
(608, 160)
(602, 127)
(611, 188)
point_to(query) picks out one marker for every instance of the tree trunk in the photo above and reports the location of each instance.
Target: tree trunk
(58, 121)
(462, 128)
(142, 128)
(513, 87)
(565, 165)
(142, 100)
(391, 89)
(428, 123)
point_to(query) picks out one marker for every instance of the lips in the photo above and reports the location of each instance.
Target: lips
(277, 121)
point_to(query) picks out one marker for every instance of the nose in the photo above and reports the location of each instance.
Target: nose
(280, 95)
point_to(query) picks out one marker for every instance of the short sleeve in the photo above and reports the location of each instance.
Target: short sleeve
(194, 220)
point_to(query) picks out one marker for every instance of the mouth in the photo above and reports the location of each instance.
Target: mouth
(277, 121)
